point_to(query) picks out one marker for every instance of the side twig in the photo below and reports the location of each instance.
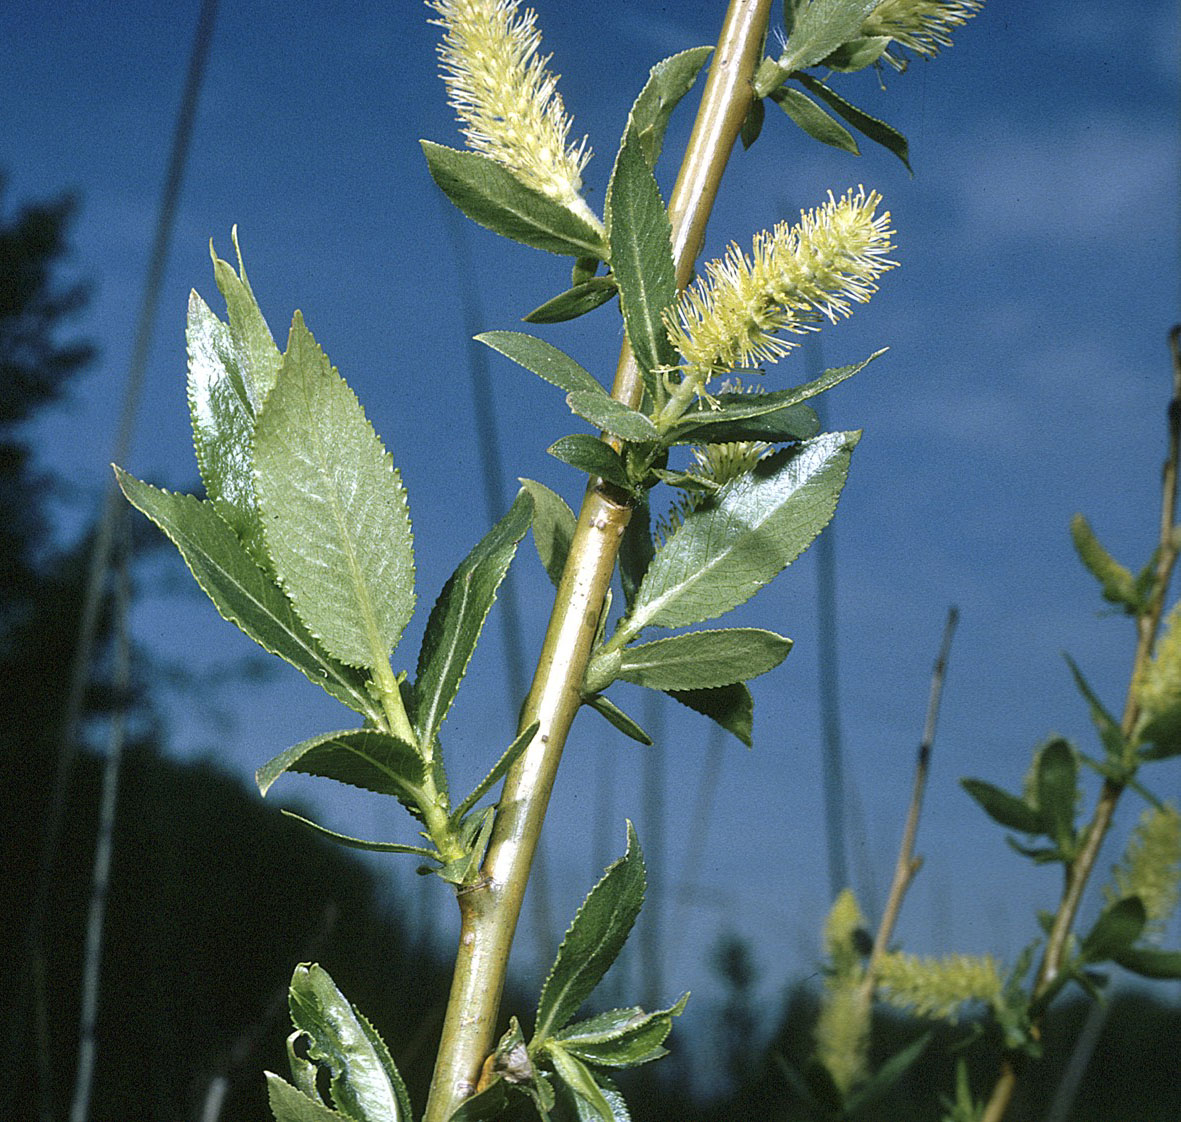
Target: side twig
(1147, 624)
(908, 865)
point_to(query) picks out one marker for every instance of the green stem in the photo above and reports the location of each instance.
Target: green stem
(1079, 871)
(489, 909)
(392, 705)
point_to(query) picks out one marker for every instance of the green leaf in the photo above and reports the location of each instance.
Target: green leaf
(1008, 810)
(604, 412)
(364, 1083)
(1149, 962)
(814, 120)
(334, 509)
(588, 453)
(593, 940)
(223, 425)
(607, 708)
(621, 1037)
(1109, 730)
(575, 301)
(704, 659)
(856, 54)
(498, 770)
(635, 551)
(493, 197)
(458, 617)
(1119, 925)
(731, 707)
(488, 1104)
(1162, 734)
(730, 546)
(543, 359)
(258, 357)
(359, 843)
(1057, 792)
(577, 1076)
(241, 591)
(289, 1105)
(367, 758)
(887, 1075)
(668, 81)
(1118, 584)
(553, 527)
(694, 424)
(641, 258)
(787, 424)
(822, 27)
(752, 124)
(877, 131)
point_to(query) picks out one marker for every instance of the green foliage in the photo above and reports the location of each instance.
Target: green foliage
(1118, 585)
(814, 120)
(553, 528)
(703, 659)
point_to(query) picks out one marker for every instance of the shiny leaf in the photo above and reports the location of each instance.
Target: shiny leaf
(703, 659)
(621, 1037)
(641, 257)
(241, 591)
(588, 453)
(604, 412)
(608, 709)
(814, 120)
(509, 757)
(334, 509)
(494, 198)
(458, 616)
(593, 940)
(575, 301)
(360, 843)
(578, 1078)
(543, 359)
(553, 528)
(668, 81)
(364, 1083)
(877, 131)
(728, 548)
(290, 1105)
(731, 707)
(1008, 810)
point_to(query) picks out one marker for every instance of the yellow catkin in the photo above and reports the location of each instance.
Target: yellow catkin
(922, 26)
(937, 987)
(1158, 688)
(1151, 867)
(507, 100)
(841, 1034)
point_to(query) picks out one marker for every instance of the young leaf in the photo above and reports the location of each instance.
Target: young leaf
(635, 552)
(813, 120)
(494, 198)
(1008, 810)
(258, 358)
(575, 301)
(1118, 584)
(1149, 962)
(588, 453)
(1109, 730)
(727, 549)
(608, 709)
(359, 843)
(553, 527)
(578, 1078)
(752, 125)
(731, 707)
(668, 81)
(641, 257)
(855, 55)
(822, 27)
(458, 617)
(593, 940)
(223, 425)
(241, 591)
(1117, 928)
(364, 1083)
(1057, 792)
(887, 1075)
(877, 131)
(543, 359)
(488, 1104)
(693, 424)
(367, 758)
(703, 659)
(498, 770)
(334, 509)
(604, 412)
(787, 424)
(621, 1037)
(290, 1105)
(1161, 734)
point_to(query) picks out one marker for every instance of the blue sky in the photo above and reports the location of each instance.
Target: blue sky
(1026, 380)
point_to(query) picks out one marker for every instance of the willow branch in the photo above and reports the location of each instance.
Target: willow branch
(1079, 871)
(908, 865)
(490, 909)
